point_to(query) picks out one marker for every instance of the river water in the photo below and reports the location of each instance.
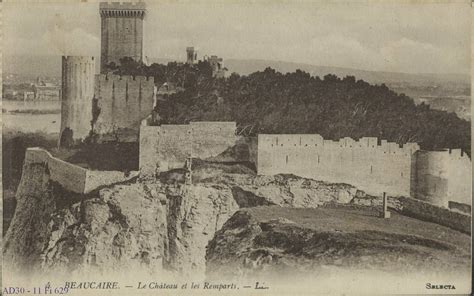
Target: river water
(29, 122)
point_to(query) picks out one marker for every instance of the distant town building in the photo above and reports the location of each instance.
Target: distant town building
(28, 96)
(45, 91)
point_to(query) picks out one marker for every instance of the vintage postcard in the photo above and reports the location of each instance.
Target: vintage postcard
(236, 147)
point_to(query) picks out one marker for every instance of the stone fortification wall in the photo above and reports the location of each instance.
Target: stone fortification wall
(365, 164)
(443, 176)
(164, 147)
(240, 149)
(209, 139)
(253, 149)
(96, 179)
(426, 211)
(121, 103)
(167, 147)
(72, 177)
(461, 207)
(77, 89)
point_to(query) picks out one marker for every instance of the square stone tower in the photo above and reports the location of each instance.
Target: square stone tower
(121, 32)
(191, 54)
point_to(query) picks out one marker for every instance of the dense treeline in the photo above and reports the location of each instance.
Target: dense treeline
(272, 102)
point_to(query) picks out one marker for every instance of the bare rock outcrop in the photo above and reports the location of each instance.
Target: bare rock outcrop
(287, 190)
(114, 229)
(28, 231)
(123, 228)
(275, 241)
(156, 226)
(145, 225)
(193, 218)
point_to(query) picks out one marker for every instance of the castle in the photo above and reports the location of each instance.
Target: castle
(217, 65)
(107, 107)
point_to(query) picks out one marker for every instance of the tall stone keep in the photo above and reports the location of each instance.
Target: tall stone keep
(121, 32)
(77, 93)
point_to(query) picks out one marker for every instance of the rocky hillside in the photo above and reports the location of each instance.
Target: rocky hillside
(277, 241)
(151, 225)
(165, 226)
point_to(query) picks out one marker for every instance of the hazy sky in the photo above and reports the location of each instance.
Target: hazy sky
(390, 37)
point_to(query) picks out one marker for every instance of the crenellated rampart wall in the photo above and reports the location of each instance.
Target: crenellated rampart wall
(122, 102)
(434, 176)
(365, 164)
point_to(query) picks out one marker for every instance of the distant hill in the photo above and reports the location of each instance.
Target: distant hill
(245, 67)
(31, 65)
(51, 66)
(437, 90)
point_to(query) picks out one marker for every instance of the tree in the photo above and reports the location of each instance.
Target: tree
(273, 102)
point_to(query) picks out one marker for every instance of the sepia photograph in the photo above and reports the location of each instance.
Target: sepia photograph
(243, 147)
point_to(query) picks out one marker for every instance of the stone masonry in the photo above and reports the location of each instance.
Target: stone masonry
(168, 147)
(121, 103)
(434, 176)
(121, 32)
(76, 102)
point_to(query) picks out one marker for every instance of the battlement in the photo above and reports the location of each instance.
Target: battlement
(447, 154)
(315, 142)
(122, 9)
(124, 101)
(458, 154)
(114, 77)
(122, 5)
(372, 166)
(78, 59)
